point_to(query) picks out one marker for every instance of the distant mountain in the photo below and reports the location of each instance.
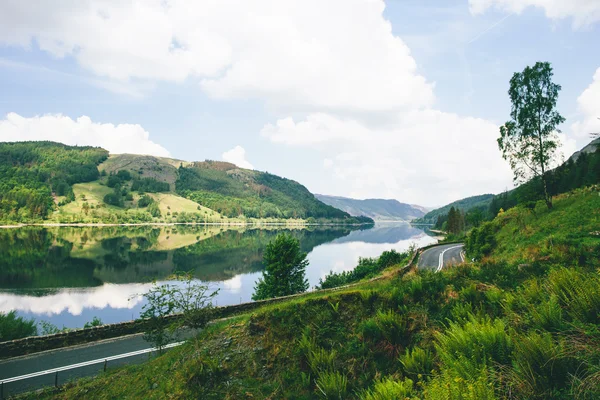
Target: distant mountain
(482, 201)
(377, 209)
(590, 148)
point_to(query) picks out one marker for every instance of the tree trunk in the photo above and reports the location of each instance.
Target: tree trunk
(547, 197)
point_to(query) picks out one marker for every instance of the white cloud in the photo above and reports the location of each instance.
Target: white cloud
(423, 156)
(583, 12)
(589, 106)
(338, 54)
(122, 138)
(237, 156)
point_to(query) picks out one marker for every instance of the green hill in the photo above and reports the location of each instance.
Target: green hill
(378, 209)
(480, 202)
(520, 323)
(52, 182)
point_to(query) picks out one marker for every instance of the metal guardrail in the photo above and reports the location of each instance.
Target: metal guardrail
(104, 360)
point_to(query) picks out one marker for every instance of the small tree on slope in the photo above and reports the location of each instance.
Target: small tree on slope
(529, 141)
(285, 267)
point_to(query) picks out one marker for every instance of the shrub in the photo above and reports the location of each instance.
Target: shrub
(321, 360)
(474, 345)
(13, 327)
(578, 292)
(388, 326)
(448, 386)
(541, 366)
(145, 201)
(417, 361)
(113, 199)
(388, 389)
(332, 385)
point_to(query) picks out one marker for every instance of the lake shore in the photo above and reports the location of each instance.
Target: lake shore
(100, 225)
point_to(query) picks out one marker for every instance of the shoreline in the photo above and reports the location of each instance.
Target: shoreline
(102, 225)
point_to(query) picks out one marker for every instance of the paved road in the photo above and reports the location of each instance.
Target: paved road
(441, 256)
(66, 356)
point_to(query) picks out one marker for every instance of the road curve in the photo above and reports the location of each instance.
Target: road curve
(438, 257)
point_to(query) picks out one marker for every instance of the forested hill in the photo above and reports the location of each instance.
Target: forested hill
(47, 181)
(31, 171)
(233, 191)
(481, 202)
(377, 209)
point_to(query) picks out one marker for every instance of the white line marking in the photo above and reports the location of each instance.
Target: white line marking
(441, 261)
(86, 363)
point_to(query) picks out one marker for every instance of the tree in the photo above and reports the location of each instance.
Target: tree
(529, 141)
(13, 327)
(285, 267)
(187, 297)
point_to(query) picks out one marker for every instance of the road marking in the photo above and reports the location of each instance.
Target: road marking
(441, 261)
(87, 363)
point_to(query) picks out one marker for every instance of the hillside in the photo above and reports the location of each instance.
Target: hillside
(481, 202)
(52, 182)
(581, 169)
(377, 209)
(494, 329)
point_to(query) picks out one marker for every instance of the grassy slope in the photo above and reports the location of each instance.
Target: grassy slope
(482, 331)
(482, 201)
(528, 236)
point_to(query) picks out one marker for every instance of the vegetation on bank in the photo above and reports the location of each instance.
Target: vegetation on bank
(368, 267)
(507, 326)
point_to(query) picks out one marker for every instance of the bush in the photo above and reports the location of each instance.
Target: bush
(150, 185)
(124, 175)
(13, 327)
(388, 326)
(389, 389)
(417, 361)
(448, 386)
(474, 345)
(145, 201)
(366, 268)
(113, 199)
(332, 385)
(578, 293)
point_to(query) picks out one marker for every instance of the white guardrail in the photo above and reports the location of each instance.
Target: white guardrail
(104, 360)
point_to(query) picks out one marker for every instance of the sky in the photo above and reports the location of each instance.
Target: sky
(393, 99)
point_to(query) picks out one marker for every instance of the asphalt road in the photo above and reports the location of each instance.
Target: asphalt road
(441, 256)
(45, 360)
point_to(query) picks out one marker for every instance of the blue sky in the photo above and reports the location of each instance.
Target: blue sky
(358, 98)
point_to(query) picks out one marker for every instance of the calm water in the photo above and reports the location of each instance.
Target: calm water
(67, 276)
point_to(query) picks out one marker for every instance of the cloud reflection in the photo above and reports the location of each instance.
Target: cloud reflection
(75, 301)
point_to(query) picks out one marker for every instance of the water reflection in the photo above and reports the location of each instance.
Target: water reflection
(69, 275)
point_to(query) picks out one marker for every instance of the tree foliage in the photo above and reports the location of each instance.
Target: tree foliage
(529, 141)
(13, 327)
(187, 296)
(30, 172)
(285, 269)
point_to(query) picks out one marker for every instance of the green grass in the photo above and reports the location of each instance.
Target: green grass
(490, 330)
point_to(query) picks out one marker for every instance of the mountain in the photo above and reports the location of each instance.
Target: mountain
(48, 181)
(589, 149)
(377, 209)
(482, 202)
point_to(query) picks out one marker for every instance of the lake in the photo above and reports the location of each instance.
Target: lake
(69, 275)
